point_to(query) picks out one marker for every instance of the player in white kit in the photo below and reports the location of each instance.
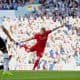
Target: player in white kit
(3, 48)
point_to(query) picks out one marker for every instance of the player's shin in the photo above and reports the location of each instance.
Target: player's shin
(6, 64)
(5, 61)
(36, 64)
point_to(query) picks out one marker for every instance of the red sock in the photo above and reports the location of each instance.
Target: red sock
(35, 64)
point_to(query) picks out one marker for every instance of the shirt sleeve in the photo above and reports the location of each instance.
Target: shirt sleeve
(36, 36)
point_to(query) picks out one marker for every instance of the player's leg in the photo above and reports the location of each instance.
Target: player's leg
(36, 63)
(5, 59)
(39, 55)
(6, 62)
(24, 46)
(30, 49)
(5, 55)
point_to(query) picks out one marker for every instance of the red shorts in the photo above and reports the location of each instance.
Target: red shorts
(39, 51)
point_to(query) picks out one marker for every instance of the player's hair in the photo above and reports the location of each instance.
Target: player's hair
(43, 28)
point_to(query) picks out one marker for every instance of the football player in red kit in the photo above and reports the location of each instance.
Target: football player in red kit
(39, 47)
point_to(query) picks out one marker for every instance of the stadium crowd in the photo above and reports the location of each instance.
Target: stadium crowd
(62, 50)
(46, 4)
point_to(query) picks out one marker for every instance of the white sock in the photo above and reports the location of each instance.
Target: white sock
(5, 61)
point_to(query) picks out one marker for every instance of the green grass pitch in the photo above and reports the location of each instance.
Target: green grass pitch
(42, 75)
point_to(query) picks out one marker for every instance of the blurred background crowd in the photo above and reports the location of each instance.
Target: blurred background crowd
(62, 50)
(63, 6)
(14, 4)
(47, 7)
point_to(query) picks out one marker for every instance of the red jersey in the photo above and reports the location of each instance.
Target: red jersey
(41, 40)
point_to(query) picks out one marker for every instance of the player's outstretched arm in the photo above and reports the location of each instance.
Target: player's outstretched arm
(28, 39)
(7, 33)
(58, 27)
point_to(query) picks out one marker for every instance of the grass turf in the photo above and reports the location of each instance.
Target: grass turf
(42, 75)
